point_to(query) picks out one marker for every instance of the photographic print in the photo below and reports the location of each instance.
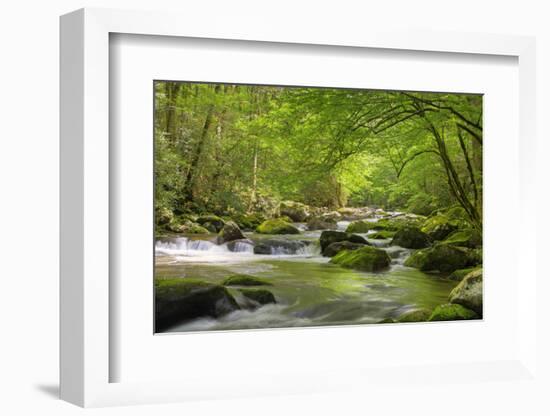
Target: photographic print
(283, 206)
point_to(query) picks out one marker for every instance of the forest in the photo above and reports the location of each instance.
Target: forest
(275, 160)
(232, 149)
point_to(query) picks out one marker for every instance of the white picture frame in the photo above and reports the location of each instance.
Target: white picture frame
(85, 213)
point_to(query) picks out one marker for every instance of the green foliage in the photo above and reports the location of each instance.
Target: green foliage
(234, 150)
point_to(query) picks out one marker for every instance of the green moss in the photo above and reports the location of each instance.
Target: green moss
(329, 237)
(411, 237)
(277, 226)
(439, 226)
(244, 280)
(381, 235)
(452, 312)
(360, 227)
(212, 222)
(441, 257)
(385, 224)
(387, 321)
(261, 296)
(249, 221)
(367, 258)
(469, 292)
(332, 249)
(464, 238)
(417, 315)
(460, 274)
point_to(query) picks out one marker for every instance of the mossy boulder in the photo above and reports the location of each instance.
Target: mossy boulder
(452, 312)
(384, 224)
(259, 296)
(464, 238)
(441, 257)
(187, 227)
(333, 249)
(366, 258)
(277, 226)
(321, 223)
(416, 315)
(329, 237)
(230, 232)
(245, 280)
(439, 226)
(179, 300)
(381, 235)
(296, 211)
(411, 237)
(360, 226)
(460, 274)
(211, 222)
(469, 292)
(249, 221)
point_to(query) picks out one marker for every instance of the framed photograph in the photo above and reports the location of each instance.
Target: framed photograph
(275, 213)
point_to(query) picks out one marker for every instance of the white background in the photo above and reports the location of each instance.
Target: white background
(29, 177)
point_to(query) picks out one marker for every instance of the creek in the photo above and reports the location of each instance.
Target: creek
(309, 290)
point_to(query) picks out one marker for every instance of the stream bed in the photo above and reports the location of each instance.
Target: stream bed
(309, 290)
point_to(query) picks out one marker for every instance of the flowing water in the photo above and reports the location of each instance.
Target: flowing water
(309, 290)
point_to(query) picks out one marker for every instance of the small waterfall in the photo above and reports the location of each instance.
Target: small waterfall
(183, 246)
(342, 225)
(398, 254)
(242, 247)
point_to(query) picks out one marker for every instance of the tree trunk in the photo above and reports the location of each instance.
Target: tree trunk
(191, 173)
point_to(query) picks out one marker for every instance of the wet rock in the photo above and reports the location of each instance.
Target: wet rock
(259, 296)
(230, 232)
(329, 237)
(211, 221)
(460, 274)
(416, 315)
(439, 227)
(188, 227)
(178, 300)
(360, 226)
(469, 292)
(279, 246)
(249, 221)
(296, 211)
(245, 280)
(240, 245)
(381, 235)
(321, 223)
(334, 248)
(366, 258)
(411, 237)
(452, 312)
(443, 258)
(464, 238)
(277, 226)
